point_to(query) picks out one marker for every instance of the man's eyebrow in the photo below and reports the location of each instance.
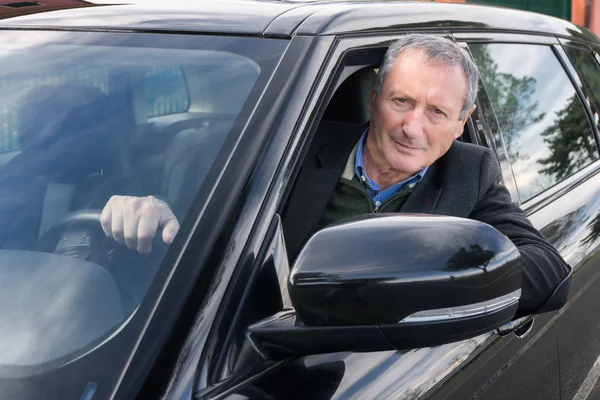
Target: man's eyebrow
(400, 93)
(397, 93)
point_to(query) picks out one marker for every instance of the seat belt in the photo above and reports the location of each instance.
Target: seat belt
(57, 204)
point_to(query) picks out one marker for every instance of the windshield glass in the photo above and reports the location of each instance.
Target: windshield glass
(86, 120)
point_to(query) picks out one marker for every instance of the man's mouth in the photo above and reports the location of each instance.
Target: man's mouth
(406, 147)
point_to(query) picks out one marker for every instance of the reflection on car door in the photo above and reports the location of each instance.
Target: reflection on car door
(550, 142)
(577, 232)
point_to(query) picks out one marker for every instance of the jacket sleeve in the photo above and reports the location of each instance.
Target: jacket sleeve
(546, 276)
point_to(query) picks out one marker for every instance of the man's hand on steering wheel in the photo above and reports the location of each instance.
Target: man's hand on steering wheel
(133, 221)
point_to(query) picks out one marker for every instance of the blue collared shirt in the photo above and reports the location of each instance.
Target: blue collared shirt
(373, 189)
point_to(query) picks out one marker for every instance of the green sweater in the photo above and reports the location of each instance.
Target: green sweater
(351, 199)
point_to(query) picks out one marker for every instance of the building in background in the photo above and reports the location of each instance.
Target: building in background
(12, 8)
(586, 13)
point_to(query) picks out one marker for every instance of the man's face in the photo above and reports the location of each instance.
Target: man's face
(415, 117)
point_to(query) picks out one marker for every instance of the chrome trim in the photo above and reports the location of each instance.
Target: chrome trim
(513, 325)
(524, 329)
(469, 310)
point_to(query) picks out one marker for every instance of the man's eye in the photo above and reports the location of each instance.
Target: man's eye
(401, 101)
(438, 111)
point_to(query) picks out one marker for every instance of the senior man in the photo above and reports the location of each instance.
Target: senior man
(406, 160)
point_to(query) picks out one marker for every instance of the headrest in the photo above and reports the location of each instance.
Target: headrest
(50, 112)
(350, 102)
(65, 127)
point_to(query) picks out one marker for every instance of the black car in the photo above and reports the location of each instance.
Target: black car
(212, 106)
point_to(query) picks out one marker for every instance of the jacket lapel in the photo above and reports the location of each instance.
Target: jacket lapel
(316, 183)
(424, 198)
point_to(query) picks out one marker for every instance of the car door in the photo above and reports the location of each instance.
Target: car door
(447, 371)
(545, 135)
(578, 324)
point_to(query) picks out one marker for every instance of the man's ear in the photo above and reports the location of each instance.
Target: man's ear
(371, 100)
(463, 122)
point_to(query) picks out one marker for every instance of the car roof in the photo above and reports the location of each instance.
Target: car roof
(273, 18)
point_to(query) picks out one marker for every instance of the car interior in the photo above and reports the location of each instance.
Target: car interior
(80, 144)
(181, 147)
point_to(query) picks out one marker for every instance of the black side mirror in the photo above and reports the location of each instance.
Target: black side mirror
(394, 281)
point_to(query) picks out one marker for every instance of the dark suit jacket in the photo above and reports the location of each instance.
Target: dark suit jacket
(465, 182)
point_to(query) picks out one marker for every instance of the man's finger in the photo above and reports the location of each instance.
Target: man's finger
(130, 229)
(170, 230)
(106, 219)
(145, 233)
(117, 225)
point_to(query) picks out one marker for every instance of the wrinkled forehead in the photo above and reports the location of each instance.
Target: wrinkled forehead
(446, 66)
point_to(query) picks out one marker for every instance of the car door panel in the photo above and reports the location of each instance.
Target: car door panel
(477, 367)
(378, 375)
(570, 224)
(560, 208)
(485, 367)
(564, 207)
(575, 231)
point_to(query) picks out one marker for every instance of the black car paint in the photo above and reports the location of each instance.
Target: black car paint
(339, 308)
(291, 18)
(484, 366)
(340, 295)
(534, 359)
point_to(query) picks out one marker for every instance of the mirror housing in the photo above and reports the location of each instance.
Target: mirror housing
(394, 281)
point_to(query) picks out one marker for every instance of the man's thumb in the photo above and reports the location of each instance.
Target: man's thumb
(170, 230)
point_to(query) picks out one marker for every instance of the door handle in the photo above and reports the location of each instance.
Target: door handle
(520, 327)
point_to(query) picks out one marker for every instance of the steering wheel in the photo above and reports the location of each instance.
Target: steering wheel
(80, 235)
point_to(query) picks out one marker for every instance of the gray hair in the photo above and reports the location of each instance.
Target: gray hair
(437, 50)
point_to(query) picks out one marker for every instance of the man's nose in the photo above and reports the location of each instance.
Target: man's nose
(413, 124)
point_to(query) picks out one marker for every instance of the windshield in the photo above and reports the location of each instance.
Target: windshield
(85, 117)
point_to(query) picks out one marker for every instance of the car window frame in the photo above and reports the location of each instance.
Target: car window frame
(294, 131)
(330, 76)
(290, 138)
(545, 197)
(582, 86)
(487, 132)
